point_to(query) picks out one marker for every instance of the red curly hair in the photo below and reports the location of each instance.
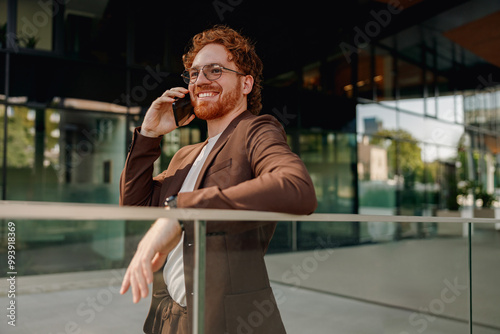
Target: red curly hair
(242, 52)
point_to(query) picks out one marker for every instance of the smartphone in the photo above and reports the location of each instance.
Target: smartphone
(183, 109)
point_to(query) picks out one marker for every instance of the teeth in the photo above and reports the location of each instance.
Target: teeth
(207, 94)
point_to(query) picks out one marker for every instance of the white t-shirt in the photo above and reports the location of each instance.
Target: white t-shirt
(173, 273)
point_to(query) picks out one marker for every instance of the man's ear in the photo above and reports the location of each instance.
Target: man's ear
(247, 84)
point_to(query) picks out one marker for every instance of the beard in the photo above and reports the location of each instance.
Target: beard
(208, 110)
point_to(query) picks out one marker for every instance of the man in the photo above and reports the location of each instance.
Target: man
(244, 164)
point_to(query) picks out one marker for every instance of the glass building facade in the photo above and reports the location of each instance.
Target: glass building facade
(390, 116)
(394, 106)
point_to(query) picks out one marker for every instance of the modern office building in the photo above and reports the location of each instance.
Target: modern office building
(394, 106)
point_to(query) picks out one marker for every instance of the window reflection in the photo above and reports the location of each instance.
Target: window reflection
(374, 117)
(2, 147)
(64, 156)
(96, 30)
(311, 77)
(3, 23)
(401, 157)
(34, 24)
(384, 78)
(410, 87)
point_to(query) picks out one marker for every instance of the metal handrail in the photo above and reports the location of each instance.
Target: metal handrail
(71, 211)
(77, 211)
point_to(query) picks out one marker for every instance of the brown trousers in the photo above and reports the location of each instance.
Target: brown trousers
(170, 318)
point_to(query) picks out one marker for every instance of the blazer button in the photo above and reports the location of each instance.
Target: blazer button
(190, 244)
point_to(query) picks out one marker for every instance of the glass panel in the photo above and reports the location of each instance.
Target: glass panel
(311, 77)
(337, 77)
(410, 87)
(377, 185)
(485, 273)
(365, 81)
(2, 75)
(161, 52)
(406, 286)
(20, 139)
(97, 31)
(65, 156)
(68, 275)
(459, 108)
(34, 24)
(377, 175)
(431, 99)
(442, 133)
(322, 154)
(2, 148)
(329, 158)
(446, 108)
(401, 286)
(3, 24)
(373, 118)
(412, 125)
(384, 78)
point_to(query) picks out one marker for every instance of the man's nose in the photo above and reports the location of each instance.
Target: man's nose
(202, 79)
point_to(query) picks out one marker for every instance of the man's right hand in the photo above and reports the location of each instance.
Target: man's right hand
(159, 119)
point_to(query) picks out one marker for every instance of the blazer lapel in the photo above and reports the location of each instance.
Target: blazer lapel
(176, 180)
(218, 146)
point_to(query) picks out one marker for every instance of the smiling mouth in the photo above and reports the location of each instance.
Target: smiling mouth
(207, 94)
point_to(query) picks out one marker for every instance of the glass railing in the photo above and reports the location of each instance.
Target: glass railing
(62, 267)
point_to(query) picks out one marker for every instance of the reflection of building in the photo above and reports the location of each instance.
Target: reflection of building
(373, 125)
(372, 161)
(421, 73)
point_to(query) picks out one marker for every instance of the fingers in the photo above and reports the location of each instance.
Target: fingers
(125, 283)
(165, 99)
(171, 95)
(141, 285)
(176, 92)
(150, 256)
(157, 263)
(138, 276)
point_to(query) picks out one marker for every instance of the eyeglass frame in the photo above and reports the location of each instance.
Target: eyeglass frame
(187, 79)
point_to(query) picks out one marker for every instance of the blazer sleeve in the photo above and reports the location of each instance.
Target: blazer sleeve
(281, 183)
(137, 186)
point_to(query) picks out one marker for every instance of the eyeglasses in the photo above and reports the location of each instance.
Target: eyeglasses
(211, 71)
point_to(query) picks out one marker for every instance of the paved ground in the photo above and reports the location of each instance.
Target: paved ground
(413, 286)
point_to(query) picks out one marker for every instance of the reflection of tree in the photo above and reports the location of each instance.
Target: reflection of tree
(21, 136)
(403, 153)
(52, 136)
(404, 156)
(19, 139)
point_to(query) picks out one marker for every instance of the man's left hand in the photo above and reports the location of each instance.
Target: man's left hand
(151, 254)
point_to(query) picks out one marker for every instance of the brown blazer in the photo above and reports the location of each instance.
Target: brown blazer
(251, 167)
